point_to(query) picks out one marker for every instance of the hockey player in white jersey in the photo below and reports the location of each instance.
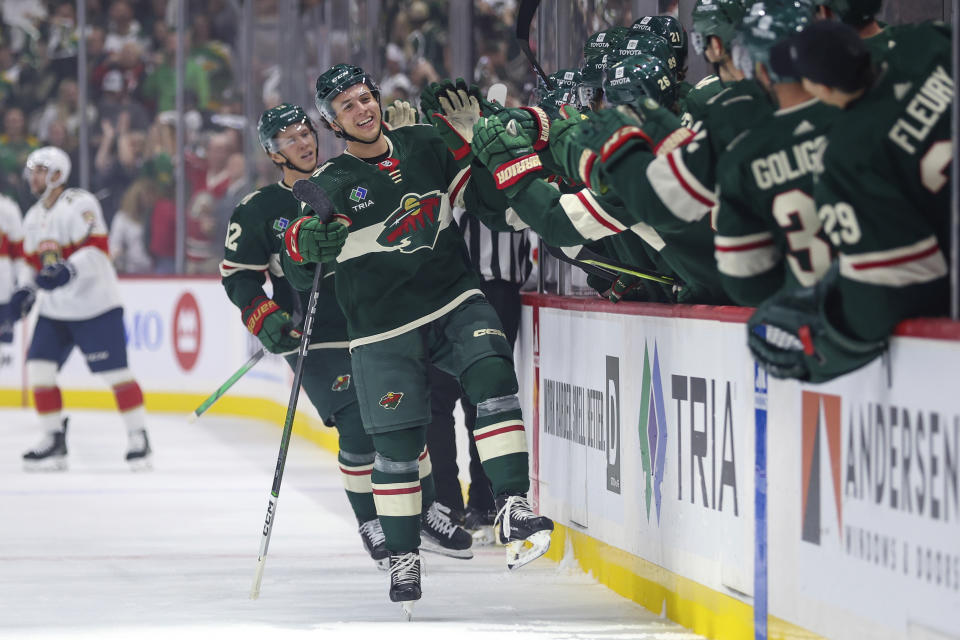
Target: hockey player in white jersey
(69, 274)
(11, 246)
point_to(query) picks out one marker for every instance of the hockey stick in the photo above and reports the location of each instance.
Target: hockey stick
(315, 197)
(524, 19)
(600, 266)
(216, 395)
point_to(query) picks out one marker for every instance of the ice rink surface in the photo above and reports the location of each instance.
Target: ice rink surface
(100, 552)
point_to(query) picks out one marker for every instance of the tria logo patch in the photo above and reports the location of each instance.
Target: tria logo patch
(280, 224)
(391, 400)
(414, 225)
(342, 383)
(358, 194)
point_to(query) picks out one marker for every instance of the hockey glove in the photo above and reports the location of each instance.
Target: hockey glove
(272, 325)
(564, 143)
(659, 124)
(55, 275)
(21, 302)
(508, 154)
(532, 120)
(453, 109)
(400, 114)
(309, 240)
(791, 336)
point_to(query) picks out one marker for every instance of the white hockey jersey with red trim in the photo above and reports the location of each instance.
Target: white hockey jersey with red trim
(11, 247)
(73, 230)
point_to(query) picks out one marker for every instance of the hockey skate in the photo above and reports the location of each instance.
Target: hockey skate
(516, 526)
(479, 524)
(50, 454)
(139, 452)
(438, 534)
(405, 580)
(375, 543)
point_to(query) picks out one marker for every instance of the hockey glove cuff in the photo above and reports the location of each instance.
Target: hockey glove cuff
(55, 275)
(508, 154)
(271, 324)
(310, 240)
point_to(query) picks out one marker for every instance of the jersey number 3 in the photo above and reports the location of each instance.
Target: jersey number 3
(809, 256)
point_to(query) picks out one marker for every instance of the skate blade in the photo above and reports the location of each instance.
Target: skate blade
(431, 546)
(45, 466)
(519, 554)
(407, 608)
(139, 465)
(484, 536)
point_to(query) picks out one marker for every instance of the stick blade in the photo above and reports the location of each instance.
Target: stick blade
(498, 93)
(313, 195)
(257, 578)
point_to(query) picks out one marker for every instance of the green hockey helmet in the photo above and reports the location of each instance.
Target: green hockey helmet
(635, 44)
(552, 101)
(715, 18)
(591, 80)
(770, 22)
(600, 43)
(563, 79)
(856, 13)
(275, 120)
(335, 81)
(638, 78)
(669, 28)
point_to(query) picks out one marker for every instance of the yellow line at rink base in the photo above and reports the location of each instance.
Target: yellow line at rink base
(702, 610)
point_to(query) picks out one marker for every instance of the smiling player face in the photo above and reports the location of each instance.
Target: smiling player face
(358, 113)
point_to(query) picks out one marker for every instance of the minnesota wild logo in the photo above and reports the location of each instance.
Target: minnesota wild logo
(391, 400)
(414, 225)
(342, 383)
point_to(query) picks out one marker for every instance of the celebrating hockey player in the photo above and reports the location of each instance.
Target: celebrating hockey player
(74, 284)
(410, 297)
(11, 262)
(768, 233)
(883, 201)
(252, 250)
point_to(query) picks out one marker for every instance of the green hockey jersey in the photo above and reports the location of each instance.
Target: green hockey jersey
(693, 99)
(768, 233)
(252, 250)
(404, 263)
(883, 195)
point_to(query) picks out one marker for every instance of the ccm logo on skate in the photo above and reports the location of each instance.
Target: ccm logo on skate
(187, 331)
(489, 332)
(391, 400)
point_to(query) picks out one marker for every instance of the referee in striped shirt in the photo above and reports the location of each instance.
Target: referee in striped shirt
(503, 262)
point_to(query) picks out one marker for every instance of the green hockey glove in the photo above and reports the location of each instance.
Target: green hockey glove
(453, 109)
(309, 240)
(532, 120)
(659, 124)
(400, 113)
(791, 336)
(271, 324)
(626, 287)
(606, 137)
(508, 154)
(563, 143)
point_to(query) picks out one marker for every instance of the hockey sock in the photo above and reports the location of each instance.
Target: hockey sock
(491, 384)
(396, 486)
(428, 487)
(129, 398)
(42, 375)
(356, 462)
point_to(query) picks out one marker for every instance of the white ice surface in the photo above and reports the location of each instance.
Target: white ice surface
(100, 552)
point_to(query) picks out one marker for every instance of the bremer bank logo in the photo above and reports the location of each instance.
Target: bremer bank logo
(653, 429)
(187, 331)
(821, 424)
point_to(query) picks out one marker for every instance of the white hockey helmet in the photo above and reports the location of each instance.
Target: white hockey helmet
(54, 160)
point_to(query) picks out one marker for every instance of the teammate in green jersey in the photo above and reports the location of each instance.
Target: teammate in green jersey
(252, 251)
(768, 234)
(410, 297)
(882, 195)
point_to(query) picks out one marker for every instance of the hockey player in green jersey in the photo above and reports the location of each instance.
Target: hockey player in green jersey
(882, 194)
(410, 297)
(768, 234)
(252, 250)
